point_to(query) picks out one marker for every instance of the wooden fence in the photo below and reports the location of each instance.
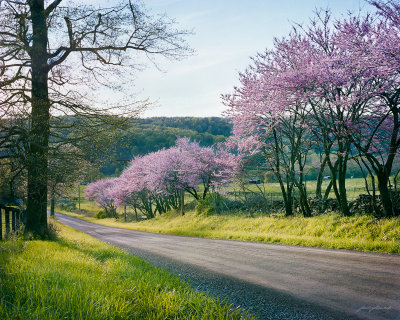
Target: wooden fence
(10, 220)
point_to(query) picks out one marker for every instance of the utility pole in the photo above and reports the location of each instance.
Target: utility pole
(79, 196)
(182, 202)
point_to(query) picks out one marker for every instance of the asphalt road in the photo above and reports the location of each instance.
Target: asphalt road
(272, 281)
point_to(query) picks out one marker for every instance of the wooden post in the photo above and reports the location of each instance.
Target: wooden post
(13, 220)
(7, 220)
(52, 203)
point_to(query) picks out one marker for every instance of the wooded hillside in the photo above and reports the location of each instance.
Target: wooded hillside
(152, 134)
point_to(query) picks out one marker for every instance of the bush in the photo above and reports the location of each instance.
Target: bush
(66, 205)
(205, 206)
(101, 215)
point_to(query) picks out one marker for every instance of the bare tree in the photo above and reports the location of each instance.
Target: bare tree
(51, 55)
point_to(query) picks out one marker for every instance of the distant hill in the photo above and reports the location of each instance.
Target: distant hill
(152, 134)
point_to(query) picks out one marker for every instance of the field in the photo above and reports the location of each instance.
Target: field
(78, 277)
(355, 187)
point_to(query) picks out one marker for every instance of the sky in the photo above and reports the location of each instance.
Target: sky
(226, 34)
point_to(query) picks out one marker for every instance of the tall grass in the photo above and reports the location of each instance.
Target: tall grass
(78, 277)
(362, 232)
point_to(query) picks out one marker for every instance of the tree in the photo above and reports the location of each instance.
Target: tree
(101, 192)
(374, 41)
(266, 120)
(45, 45)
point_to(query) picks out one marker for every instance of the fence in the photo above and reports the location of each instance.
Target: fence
(10, 220)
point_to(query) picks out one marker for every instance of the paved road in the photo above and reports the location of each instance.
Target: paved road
(277, 281)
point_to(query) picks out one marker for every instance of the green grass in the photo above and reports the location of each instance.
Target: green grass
(78, 277)
(362, 233)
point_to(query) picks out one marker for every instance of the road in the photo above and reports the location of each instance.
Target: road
(275, 281)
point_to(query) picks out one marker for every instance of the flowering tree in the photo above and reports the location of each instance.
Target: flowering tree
(100, 192)
(373, 43)
(267, 119)
(155, 183)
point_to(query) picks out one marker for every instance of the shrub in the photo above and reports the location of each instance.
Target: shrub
(101, 215)
(66, 205)
(205, 206)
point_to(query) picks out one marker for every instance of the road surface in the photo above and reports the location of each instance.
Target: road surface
(272, 281)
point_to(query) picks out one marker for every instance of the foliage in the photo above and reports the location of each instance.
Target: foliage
(101, 215)
(78, 277)
(67, 205)
(99, 192)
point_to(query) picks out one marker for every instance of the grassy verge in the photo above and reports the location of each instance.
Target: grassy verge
(78, 277)
(328, 231)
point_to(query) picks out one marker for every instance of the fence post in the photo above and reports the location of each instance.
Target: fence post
(7, 216)
(13, 221)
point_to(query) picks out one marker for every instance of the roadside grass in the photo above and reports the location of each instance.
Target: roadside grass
(79, 277)
(364, 233)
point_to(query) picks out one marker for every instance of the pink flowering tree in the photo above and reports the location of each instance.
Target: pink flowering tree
(156, 182)
(100, 192)
(373, 43)
(133, 188)
(268, 120)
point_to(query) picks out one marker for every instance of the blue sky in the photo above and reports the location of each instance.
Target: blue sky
(227, 34)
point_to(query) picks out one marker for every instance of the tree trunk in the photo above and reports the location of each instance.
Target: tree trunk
(39, 135)
(338, 172)
(288, 201)
(385, 194)
(344, 207)
(305, 207)
(320, 179)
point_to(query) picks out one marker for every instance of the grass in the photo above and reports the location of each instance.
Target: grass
(79, 277)
(362, 233)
